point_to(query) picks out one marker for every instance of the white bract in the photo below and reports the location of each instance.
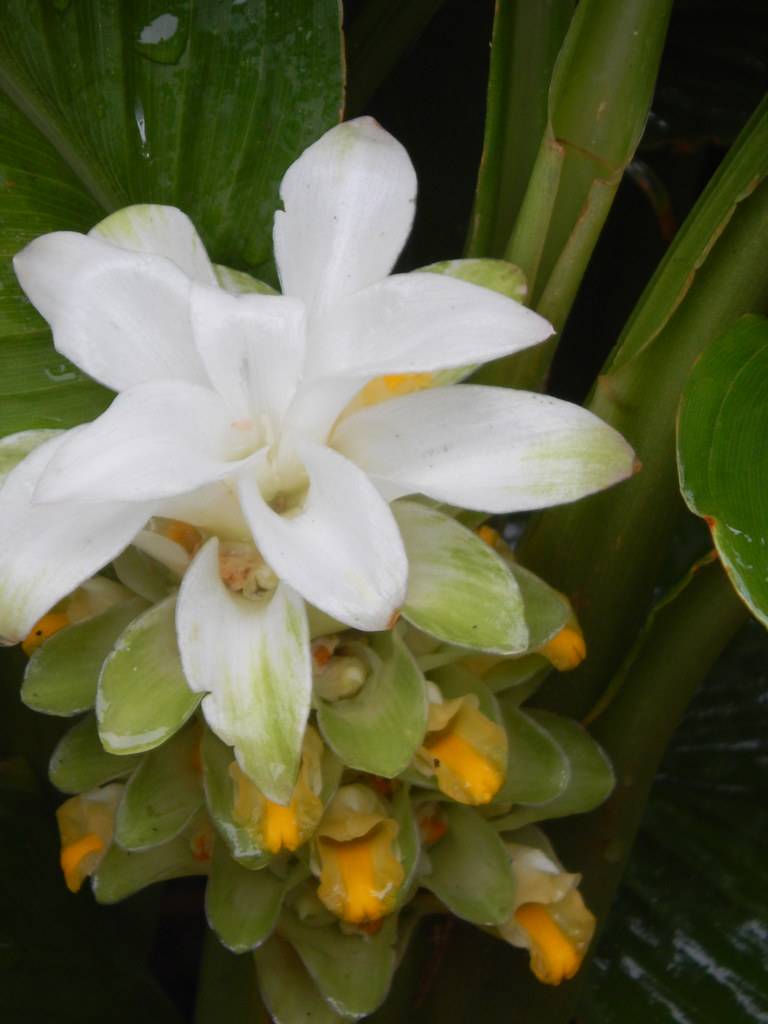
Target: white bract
(233, 413)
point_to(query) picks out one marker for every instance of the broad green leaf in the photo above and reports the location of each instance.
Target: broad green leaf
(124, 872)
(517, 674)
(79, 762)
(104, 104)
(353, 972)
(287, 989)
(591, 777)
(220, 795)
(723, 454)
(163, 793)
(538, 770)
(470, 869)
(143, 697)
(63, 674)
(459, 589)
(379, 729)
(242, 906)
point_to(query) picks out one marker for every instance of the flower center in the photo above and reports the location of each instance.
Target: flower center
(244, 571)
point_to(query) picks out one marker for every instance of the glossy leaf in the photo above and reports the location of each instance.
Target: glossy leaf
(723, 454)
(143, 697)
(538, 770)
(591, 776)
(446, 560)
(287, 988)
(104, 105)
(353, 972)
(63, 674)
(242, 906)
(79, 762)
(470, 869)
(163, 793)
(379, 729)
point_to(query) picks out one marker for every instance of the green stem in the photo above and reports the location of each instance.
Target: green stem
(526, 40)
(606, 551)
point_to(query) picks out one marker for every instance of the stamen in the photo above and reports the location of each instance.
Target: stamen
(553, 956)
(73, 855)
(42, 630)
(244, 570)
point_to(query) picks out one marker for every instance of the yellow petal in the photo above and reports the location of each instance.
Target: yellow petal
(391, 385)
(42, 630)
(467, 753)
(183, 534)
(360, 878)
(554, 958)
(280, 828)
(77, 861)
(567, 649)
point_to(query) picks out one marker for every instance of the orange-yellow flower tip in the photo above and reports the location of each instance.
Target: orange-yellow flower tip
(74, 857)
(183, 534)
(431, 827)
(566, 650)
(554, 958)
(488, 535)
(480, 779)
(201, 845)
(42, 630)
(280, 827)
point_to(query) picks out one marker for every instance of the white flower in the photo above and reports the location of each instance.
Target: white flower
(231, 416)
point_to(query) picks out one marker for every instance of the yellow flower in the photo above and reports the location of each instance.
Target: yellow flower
(359, 864)
(86, 824)
(550, 919)
(272, 826)
(91, 598)
(464, 750)
(566, 650)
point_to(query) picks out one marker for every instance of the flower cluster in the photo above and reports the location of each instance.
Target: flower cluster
(295, 648)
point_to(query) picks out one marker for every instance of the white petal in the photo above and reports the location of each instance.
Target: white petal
(420, 322)
(162, 231)
(349, 203)
(317, 405)
(342, 551)
(122, 317)
(214, 507)
(252, 347)
(486, 448)
(253, 657)
(154, 441)
(48, 550)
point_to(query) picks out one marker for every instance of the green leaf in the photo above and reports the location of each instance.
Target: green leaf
(220, 795)
(379, 729)
(143, 696)
(163, 793)
(470, 869)
(723, 454)
(103, 105)
(144, 575)
(287, 988)
(459, 589)
(591, 777)
(79, 762)
(63, 674)
(408, 841)
(242, 906)
(124, 872)
(353, 972)
(538, 770)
